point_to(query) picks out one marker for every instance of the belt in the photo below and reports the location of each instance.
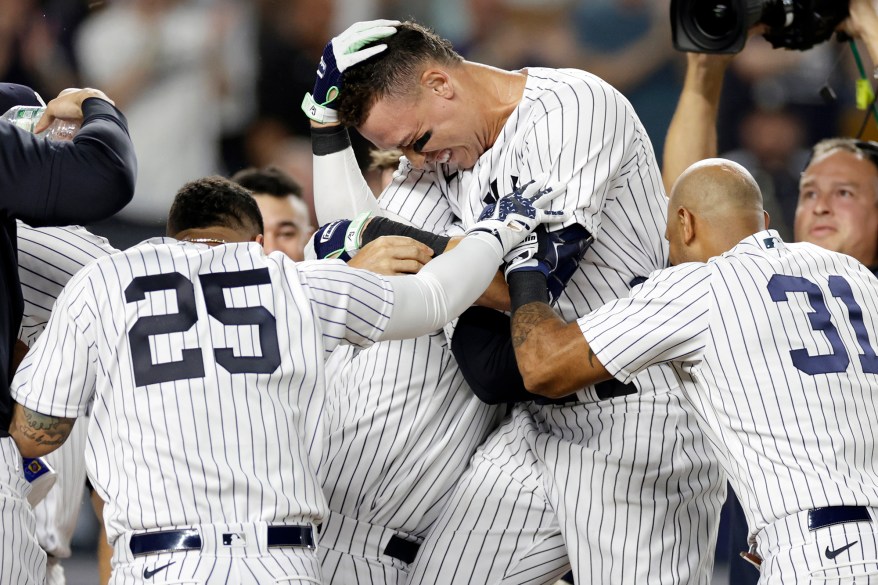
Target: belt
(823, 517)
(190, 539)
(402, 549)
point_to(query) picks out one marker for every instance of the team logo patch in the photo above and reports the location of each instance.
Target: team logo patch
(234, 539)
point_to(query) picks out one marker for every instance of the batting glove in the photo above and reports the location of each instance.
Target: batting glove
(509, 221)
(339, 54)
(555, 254)
(340, 239)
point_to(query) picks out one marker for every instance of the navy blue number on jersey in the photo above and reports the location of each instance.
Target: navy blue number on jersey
(192, 364)
(780, 285)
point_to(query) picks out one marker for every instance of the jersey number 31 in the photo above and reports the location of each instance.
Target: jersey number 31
(780, 285)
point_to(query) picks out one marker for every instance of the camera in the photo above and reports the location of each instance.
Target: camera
(720, 26)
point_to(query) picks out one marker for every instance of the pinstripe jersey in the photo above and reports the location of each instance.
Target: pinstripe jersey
(47, 258)
(585, 134)
(205, 366)
(401, 424)
(775, 345)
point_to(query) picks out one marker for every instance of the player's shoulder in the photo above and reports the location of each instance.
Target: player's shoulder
(73, 239)
(687, 278)
(566, 86)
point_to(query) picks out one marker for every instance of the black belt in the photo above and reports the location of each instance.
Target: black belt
(190, 539)
(823, 517)
(402, 549)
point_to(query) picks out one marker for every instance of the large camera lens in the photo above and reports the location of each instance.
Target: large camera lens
(714, 19)
(715, 26)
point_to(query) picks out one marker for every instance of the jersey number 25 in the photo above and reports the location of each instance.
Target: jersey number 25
(192, 364)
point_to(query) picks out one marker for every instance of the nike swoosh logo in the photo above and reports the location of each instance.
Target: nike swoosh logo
(831, 554)
(147, 574)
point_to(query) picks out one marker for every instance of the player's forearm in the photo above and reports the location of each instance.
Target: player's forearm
(692, 134)
(496, 296)
(550, 353)
(442, 290)
(38, 434)
(535, 333)
(340, 191)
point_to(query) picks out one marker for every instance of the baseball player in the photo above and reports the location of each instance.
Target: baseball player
(47, 259)
(284, 212)
(45, 182)
(774, 347)
(203, 359)
(469, 133)
(401, 425)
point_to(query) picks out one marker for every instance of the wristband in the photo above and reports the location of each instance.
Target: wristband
(525, 287)
(318, 112)
(352, 238)
(329, 140)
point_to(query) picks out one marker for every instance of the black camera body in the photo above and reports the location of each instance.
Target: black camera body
(720, 26)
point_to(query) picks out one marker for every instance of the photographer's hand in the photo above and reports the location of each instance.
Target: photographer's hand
(863, 24)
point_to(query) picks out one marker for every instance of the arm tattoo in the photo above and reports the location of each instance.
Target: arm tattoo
(41, 429)
(527, 318)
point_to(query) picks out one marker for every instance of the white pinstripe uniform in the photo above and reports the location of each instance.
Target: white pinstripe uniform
(626, 488)
(402, 424)
(775, 345)
(47, 259)
(185, 431)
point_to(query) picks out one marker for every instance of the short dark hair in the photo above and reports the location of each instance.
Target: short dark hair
(268, 181)
(392, 72)
(213, 202)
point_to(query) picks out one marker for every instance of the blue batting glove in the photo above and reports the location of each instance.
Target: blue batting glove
(339, 54)
(555, 254)
(512, 218)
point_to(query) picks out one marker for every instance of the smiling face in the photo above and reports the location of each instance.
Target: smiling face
(427, 127)
(838, 205)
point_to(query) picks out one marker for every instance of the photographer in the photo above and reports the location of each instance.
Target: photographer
(838, 201)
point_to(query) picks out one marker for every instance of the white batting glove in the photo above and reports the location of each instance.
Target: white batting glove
(509, 221)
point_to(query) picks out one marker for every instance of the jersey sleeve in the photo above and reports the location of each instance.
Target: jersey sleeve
(58, 375)
(417, 196)
(45, 182)
(350, 305)
(47, 259)
(664, 319)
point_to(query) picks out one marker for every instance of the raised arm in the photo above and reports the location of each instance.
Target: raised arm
(55, 183)
(692, 133)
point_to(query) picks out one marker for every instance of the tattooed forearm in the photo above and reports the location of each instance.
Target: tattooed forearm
(527, 318)
(39, 431)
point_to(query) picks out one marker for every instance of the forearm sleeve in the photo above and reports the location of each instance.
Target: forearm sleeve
(443, 289)
(340, 191)
(382, 226)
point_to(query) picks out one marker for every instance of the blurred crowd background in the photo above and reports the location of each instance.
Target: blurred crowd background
(214, 86)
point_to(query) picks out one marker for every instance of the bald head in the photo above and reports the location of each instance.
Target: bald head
(714, 204)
